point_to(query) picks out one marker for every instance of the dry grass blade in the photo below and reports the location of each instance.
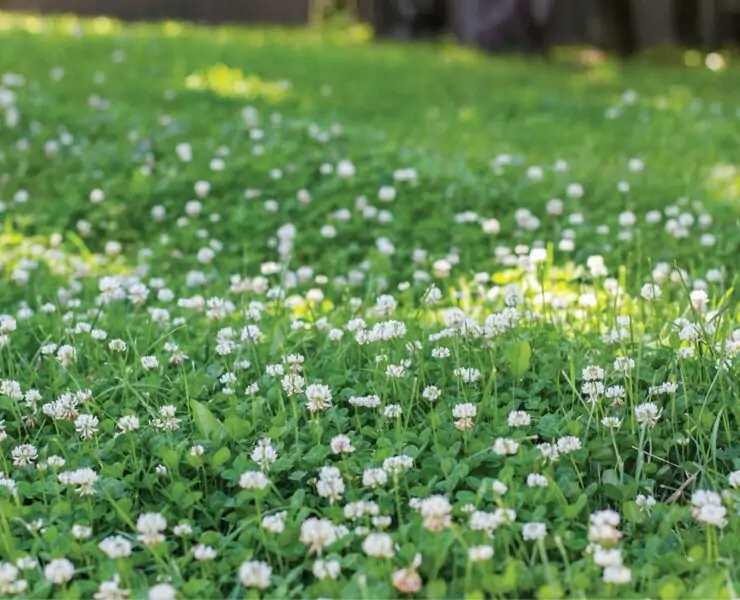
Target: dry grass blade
(677, 494)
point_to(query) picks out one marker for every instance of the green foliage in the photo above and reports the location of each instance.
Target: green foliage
(205, 386)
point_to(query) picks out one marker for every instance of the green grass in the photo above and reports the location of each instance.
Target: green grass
(159, 332)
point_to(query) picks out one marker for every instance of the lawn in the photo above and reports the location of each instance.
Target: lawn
(292, 314)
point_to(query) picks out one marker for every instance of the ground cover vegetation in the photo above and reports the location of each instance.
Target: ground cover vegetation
(287, 314)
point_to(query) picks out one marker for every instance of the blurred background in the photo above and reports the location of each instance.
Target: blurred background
(622, 27)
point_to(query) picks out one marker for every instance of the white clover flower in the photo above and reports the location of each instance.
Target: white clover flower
(464, 415)
(330, 484)
(499, 487)
(623, 364)
(534, 531)
(433, 295)
(699, 299)
(611, 422)
(149, 362)
(387, 193)
(128, 423)
(650, 291)
(381, 521)
(202, 188)
(317, 534)
(596, 266)
(535, 173)
(480, 553)
(378, 545)
(441, 352)
(385, 304)
(505, 446)
(11, 389)
(707, 508)
(111, 590)
(574, 190)
(274, 523)
(253, 480)
(398, 464)
(318, 397)
(554, 207)
(536, 480)
(24, 455)
(603, 527)
(373, 478)
(365, 401)
(395, 371)
(617, 574)
(161, 591)
(326, 569)
(116, 546)
(519, 418)
(392, 411)
(408, 580)
(341, 444)
(117, 345)
(182, 530)
(568, 444)
(407, 174)
(10, 583)
(7, 324)
(113, 248)
(167, 420)
(435, 510)
(196, 450)
(59, 571)
(467, 374)
(645, 502)
(648, 414)
(504, 516)
(593, 373)
(687, 352)
(66, 355)
(359, 509)
(203, 553)
(635, 165)
(431, 393)
(26, 563)
(150, 527)
(184, 152)
(607, 557)
(56, 461)
(98, 334)
(263, 453)
(81, 532)
(86, 426)
(255, 574)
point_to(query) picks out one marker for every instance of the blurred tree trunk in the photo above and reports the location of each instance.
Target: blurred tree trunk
(733, 21)
(466, 19)
(430, 19)
(726, 23)
(538, 17)
(521, 25)
(686, 21)
(618, 26)
(381, 13)
(406, 19)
